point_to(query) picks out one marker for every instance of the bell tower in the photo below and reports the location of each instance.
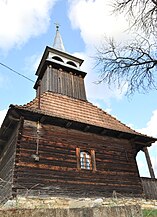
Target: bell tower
(60, 72)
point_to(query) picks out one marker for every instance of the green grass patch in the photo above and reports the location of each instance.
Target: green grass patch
(149, 213)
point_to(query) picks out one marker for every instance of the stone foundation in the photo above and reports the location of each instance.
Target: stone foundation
(129, 211)
(71, 203)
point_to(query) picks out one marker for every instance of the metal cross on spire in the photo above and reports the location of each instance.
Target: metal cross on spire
(58, 42)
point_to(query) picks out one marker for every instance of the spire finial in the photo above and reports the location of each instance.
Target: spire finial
(57, 26)
(58, 43)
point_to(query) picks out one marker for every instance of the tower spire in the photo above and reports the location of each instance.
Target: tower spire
(58, 42)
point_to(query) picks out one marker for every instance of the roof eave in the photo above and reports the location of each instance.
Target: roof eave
(10, 121)
(38, 115)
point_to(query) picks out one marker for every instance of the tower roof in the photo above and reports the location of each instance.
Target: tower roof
(58, 42)
(60, 71)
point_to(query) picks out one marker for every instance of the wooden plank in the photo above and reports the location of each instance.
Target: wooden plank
(7, 166)
(59, 161)
(149, 188)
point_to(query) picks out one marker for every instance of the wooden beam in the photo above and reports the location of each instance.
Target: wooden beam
(43, 118)
(149, 163)
(78, 158)
(15, 113)
(68, 124)
(86, 128)
(13, 119)
(120, 135)
(93, 160)
(3, 140)
(39, 94)
(103, 132)
(134, 139)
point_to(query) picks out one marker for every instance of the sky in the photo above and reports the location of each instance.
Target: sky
(27, 27)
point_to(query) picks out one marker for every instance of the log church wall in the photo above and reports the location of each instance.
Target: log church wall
(57, 173)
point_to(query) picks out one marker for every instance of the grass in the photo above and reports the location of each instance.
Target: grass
(149, 213)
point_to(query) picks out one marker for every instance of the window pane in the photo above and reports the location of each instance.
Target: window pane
(85, 160)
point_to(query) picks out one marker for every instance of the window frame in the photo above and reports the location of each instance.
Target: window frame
(91, 155)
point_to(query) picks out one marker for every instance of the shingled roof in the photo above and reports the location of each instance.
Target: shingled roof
(61, 106)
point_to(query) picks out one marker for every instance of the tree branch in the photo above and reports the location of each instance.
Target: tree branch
(132, 64)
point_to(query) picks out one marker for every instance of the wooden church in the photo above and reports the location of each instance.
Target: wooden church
(60, 144)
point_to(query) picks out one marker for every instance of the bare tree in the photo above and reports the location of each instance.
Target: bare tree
(134, 64)
(141, 13)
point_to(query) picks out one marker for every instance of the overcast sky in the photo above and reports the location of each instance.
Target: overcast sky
(27, 27)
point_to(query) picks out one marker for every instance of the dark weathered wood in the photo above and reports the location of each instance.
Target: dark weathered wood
(93, 160)
(78, 157)
(149, 188)
(86, 128)
(39, 93)
(152, 174)
(59, 170)
(64, 82)
(7, 159)
(68, 124)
